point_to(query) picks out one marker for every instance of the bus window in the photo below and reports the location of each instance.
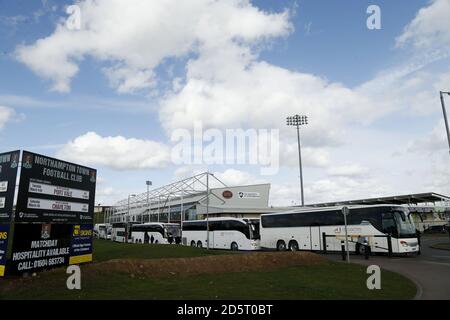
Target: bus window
(405, 227)
(389, 225)
(254, 231)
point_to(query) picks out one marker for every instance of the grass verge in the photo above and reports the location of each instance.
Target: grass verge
(321, 280)
(107, 250)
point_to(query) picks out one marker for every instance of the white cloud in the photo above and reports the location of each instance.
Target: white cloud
(136, 36)
(311, 157)
(435, 141)
(352, 170)
(6, 114)
(232, 177)
(128, 80)
(116, 152)
(108, 195)
(346, 188)
(13, 21)
(231, 88)
(440, 175)
(430, 27)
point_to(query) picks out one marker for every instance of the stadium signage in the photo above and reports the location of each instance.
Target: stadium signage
(45, 246)
(249, 195)
(53, 216)
(54, 191)
(227, 194)
(9, 163)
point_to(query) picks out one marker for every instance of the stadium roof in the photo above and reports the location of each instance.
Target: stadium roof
(403, 199)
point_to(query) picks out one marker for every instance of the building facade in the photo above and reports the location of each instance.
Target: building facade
(192, 199)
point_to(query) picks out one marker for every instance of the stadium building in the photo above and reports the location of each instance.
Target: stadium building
(191, 199)
(204, 194)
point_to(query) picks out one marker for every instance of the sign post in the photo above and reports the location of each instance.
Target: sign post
(345, 212)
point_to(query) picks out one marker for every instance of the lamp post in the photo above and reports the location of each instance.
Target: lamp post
(129, 197)
(345, 212)
(148, 183)
(127, 233)
(181, 217)
(207, 211)
(298, 121)
(441, 93)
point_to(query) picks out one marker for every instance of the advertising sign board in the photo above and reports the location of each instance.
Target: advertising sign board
(55, 191)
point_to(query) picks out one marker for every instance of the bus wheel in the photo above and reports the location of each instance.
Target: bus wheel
(199, 244)
(234, 246)
(360, 249)
(192, 243)
(293, 246)
(281, 245)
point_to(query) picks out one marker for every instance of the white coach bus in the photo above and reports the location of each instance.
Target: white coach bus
(385, 228)
(157, 233)
(224, 233)
(119, 232)
(102, 231)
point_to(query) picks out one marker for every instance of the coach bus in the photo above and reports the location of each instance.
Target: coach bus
(381, 228)
(157, 233)
(224, 233)
(120, 232)
(102, 231)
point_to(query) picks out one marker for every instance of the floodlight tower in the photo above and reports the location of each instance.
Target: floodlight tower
(445, 116)
(298, 121)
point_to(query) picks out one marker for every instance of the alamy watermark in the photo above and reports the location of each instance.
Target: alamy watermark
(259, 147)
(374, 20)
(73, 22)
(374, 280)
(74, 280)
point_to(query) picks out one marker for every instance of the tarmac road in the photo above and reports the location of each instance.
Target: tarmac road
(430, 271)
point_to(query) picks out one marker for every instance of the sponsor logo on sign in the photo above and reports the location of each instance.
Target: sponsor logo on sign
(15, 161)
(93, 179)
(249, 195)
(45, 232)
(28, 161)
(76, 231)
(227, 194)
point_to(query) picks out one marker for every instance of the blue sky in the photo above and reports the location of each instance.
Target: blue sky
(372, 95)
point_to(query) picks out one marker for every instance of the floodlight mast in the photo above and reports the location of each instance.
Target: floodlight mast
(298, 121)
(444, 111)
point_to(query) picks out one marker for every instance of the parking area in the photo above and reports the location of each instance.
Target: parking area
(430, 271)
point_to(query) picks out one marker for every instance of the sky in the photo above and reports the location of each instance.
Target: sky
(116, 85)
